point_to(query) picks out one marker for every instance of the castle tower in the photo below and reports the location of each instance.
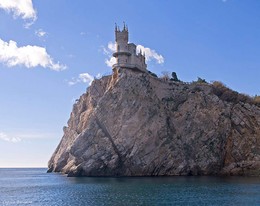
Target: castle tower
(126, 53)
(121, 53)
(121, 39)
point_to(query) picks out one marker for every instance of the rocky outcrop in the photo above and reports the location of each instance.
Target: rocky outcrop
(134, 124)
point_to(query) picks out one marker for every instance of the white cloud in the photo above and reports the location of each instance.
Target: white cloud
(82, 33)
(40, 33)
(224, 1)
(98, 75)
(110, 62)
(84, 77)
(149, 54)
(106, 51)
(111, 46)
(23, 8)
(9, 139)
(29, 56)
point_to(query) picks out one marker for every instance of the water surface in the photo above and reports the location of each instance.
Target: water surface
(36, 187)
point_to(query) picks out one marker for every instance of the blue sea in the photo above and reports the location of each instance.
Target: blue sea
(36, 187)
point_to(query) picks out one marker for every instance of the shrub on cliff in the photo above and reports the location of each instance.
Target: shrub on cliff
(226, 94)
(257, 98)
(200, 80)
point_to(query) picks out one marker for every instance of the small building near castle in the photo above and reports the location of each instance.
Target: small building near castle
(125, 54)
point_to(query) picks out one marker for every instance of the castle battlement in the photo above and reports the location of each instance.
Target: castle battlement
(126, 52)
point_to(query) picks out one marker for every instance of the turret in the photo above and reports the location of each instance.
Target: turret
(121, 39)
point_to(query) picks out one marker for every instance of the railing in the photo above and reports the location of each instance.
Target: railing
(121, 52)
(128, 66)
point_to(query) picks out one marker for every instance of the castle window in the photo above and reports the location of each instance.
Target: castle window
(125, 48)
(118, 48)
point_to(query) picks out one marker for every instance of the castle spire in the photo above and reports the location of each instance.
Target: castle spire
(124, 26)
(115, 27)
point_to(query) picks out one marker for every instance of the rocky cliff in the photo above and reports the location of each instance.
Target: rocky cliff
(134, 124)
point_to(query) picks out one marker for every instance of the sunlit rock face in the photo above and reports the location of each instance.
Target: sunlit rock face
(134, 124)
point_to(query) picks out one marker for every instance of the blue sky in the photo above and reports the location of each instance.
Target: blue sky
(51, 50)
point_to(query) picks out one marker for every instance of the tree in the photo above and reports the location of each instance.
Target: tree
(165, 75)
(174, 77)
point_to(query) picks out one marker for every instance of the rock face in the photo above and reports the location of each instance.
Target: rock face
(134, 124)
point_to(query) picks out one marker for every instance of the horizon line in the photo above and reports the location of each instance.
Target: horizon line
(23, 167)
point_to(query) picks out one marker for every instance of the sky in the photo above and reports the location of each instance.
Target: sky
(50, 51)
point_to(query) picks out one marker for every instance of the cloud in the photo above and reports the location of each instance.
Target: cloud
(4, 137)
(224, 1)
(22, 8)
(110, 62)
(29, 56)
(111, 47)
(40, 33)
(82, 33)
(84, 77)
(149, 54)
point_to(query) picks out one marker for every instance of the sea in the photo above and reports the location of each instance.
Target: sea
(33, 186)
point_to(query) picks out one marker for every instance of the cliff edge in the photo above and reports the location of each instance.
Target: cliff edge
(134, 124)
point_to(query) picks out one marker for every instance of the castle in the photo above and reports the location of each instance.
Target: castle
(126, 53)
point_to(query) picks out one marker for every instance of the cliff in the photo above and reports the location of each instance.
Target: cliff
(134, 124)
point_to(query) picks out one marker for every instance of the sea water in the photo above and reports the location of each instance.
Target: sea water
(36, 187)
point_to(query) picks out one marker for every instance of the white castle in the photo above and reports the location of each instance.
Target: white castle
(126, 53)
